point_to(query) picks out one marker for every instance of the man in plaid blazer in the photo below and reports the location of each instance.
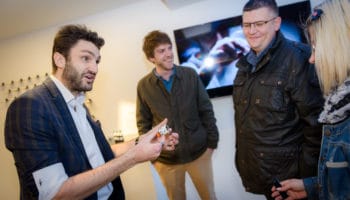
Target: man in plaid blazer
(59, 151)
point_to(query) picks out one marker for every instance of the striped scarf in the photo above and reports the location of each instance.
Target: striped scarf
(337, 105)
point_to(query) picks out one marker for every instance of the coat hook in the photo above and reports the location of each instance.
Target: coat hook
(29, 78)
(2, 84)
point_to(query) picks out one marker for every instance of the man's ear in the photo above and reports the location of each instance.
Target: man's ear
(151, 60)
(277, 24)
(59, 60)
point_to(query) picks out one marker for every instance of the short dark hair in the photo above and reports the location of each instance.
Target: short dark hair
(256, 4)
(69, 35)
(152, 40)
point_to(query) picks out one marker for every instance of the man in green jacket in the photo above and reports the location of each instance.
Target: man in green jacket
(177, 93)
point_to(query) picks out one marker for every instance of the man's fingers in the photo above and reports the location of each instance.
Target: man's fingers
(154, 131)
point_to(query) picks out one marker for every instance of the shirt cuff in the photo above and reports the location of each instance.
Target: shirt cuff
(48, 180)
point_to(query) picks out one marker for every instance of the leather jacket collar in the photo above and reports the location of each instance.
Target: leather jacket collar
(244, 65)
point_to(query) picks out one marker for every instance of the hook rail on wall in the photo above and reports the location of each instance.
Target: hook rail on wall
(9, 91)
(12, 89)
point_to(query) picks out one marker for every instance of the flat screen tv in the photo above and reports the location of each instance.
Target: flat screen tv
(213, 48)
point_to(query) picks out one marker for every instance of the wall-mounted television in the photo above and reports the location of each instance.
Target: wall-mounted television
(213, 48)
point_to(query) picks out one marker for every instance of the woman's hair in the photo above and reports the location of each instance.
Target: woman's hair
(329, 28)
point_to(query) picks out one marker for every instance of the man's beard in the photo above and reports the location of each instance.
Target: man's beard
(74, 79)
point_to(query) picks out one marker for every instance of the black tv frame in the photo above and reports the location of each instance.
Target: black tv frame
(296, 13)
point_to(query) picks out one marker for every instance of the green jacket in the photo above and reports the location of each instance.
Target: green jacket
(188, 109)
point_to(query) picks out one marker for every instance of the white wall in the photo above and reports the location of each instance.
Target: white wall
(114, 94)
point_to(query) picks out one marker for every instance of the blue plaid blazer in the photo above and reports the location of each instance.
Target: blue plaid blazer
(40, 131)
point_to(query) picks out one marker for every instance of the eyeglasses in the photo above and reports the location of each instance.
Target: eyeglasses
(258, 24)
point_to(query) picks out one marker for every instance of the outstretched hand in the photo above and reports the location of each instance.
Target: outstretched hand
(294, 188)
(151, 144)
(149, 147)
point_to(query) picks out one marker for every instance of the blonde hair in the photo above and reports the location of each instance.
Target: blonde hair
(331, 34)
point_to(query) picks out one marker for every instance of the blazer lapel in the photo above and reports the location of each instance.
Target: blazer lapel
(100, 138)
(64, 115)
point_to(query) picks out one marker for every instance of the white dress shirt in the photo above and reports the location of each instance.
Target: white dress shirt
(49, 179)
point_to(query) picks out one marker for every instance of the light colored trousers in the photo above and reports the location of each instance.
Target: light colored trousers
(200, 171)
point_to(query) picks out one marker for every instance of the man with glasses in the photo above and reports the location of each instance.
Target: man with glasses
(277, 100)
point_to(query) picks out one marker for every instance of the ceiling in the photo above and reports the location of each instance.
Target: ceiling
(23, 16)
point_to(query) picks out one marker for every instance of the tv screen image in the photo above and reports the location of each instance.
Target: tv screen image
(213, 49)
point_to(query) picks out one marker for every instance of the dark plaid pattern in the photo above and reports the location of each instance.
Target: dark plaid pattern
(40, 131)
